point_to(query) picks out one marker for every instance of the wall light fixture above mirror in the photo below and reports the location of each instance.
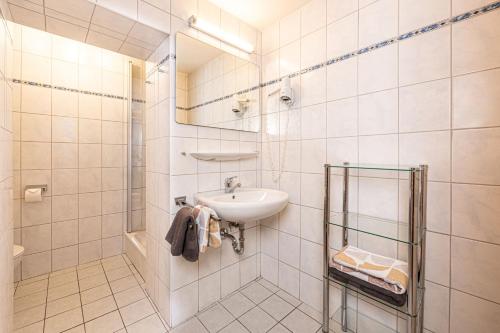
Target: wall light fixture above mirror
(216, 87)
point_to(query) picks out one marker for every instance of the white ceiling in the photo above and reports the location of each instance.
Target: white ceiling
(191, 53)
(87, 22)
(259, 13)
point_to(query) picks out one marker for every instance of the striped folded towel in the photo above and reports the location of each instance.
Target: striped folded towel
(206, 227)
(388, 273)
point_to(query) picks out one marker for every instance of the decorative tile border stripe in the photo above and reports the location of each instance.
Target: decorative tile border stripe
(162, 62)
(411, 34)
(86, 92)
(220, 98)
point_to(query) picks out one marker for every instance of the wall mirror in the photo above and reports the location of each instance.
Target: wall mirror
(215, 88)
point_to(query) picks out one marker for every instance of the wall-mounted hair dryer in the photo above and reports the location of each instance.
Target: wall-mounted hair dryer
(285, 91)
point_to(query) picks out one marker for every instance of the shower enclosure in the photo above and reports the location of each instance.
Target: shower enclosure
(135, 240)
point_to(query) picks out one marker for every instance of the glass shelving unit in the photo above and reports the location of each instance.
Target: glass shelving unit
(408, 235)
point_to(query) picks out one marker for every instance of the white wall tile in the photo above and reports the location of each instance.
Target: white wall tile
(342, 36)
(209, 290)
(64, 74)
(311, 292)
(471, 313)
(342, 79)
(342, 117)
(313, 16)
(425, 106)
(311, 258)
(35, 99)
(378, 113)
(437, 310)
(316, 41)
(313, 155)
(64, 234)
(378, 70)
(431, 148)
(289, 249)
(290, 58)
(337, 9)
(480, 261)
(474, 45)
(64, 129)
(289, 220)
(269, 268)
(290, 28)
(413, 15)
(270, 38)
(425, 58)
(289, 279)
(437, 266)
(474, 212)
(378, 22)
(35, 127)
(378, 149)
(230, 279)
(313, 87)
(476, 99)
(475, 156)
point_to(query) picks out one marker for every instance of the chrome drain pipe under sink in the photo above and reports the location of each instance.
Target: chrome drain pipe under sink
(238, 245)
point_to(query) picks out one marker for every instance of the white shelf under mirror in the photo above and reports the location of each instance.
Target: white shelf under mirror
(217, 156)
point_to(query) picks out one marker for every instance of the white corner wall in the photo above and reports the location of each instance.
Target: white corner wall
(6, 178)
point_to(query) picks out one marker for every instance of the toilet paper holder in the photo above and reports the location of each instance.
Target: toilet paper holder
(43, 187)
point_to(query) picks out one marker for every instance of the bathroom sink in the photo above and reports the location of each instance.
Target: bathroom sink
(245, 204)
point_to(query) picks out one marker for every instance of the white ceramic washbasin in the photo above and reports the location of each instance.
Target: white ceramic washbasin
(245, 204)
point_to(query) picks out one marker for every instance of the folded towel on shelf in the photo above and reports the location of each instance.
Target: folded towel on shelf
(204, 219)
(183, 235)
(388, 273)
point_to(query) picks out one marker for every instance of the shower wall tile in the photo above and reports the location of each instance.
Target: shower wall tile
(64, 138)
(64, 103)
(35, 100)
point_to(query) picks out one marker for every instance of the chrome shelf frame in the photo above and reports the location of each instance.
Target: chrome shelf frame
(417, 211)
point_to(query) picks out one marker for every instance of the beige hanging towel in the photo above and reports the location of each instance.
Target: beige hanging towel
(214, 239)
(203, 216)
(373, 268)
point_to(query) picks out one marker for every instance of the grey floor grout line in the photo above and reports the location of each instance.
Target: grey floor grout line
(272, 292)
(81, 305)
(255, 305)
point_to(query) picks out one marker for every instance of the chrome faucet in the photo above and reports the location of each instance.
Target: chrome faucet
(229, 187)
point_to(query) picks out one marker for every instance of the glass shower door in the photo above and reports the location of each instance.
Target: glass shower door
(136, 162)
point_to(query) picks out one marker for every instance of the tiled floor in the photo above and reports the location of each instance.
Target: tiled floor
(260, 307)
(107, 296)
(102, 296)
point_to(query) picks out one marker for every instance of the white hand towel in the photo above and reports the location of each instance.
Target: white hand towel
(202, 215)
